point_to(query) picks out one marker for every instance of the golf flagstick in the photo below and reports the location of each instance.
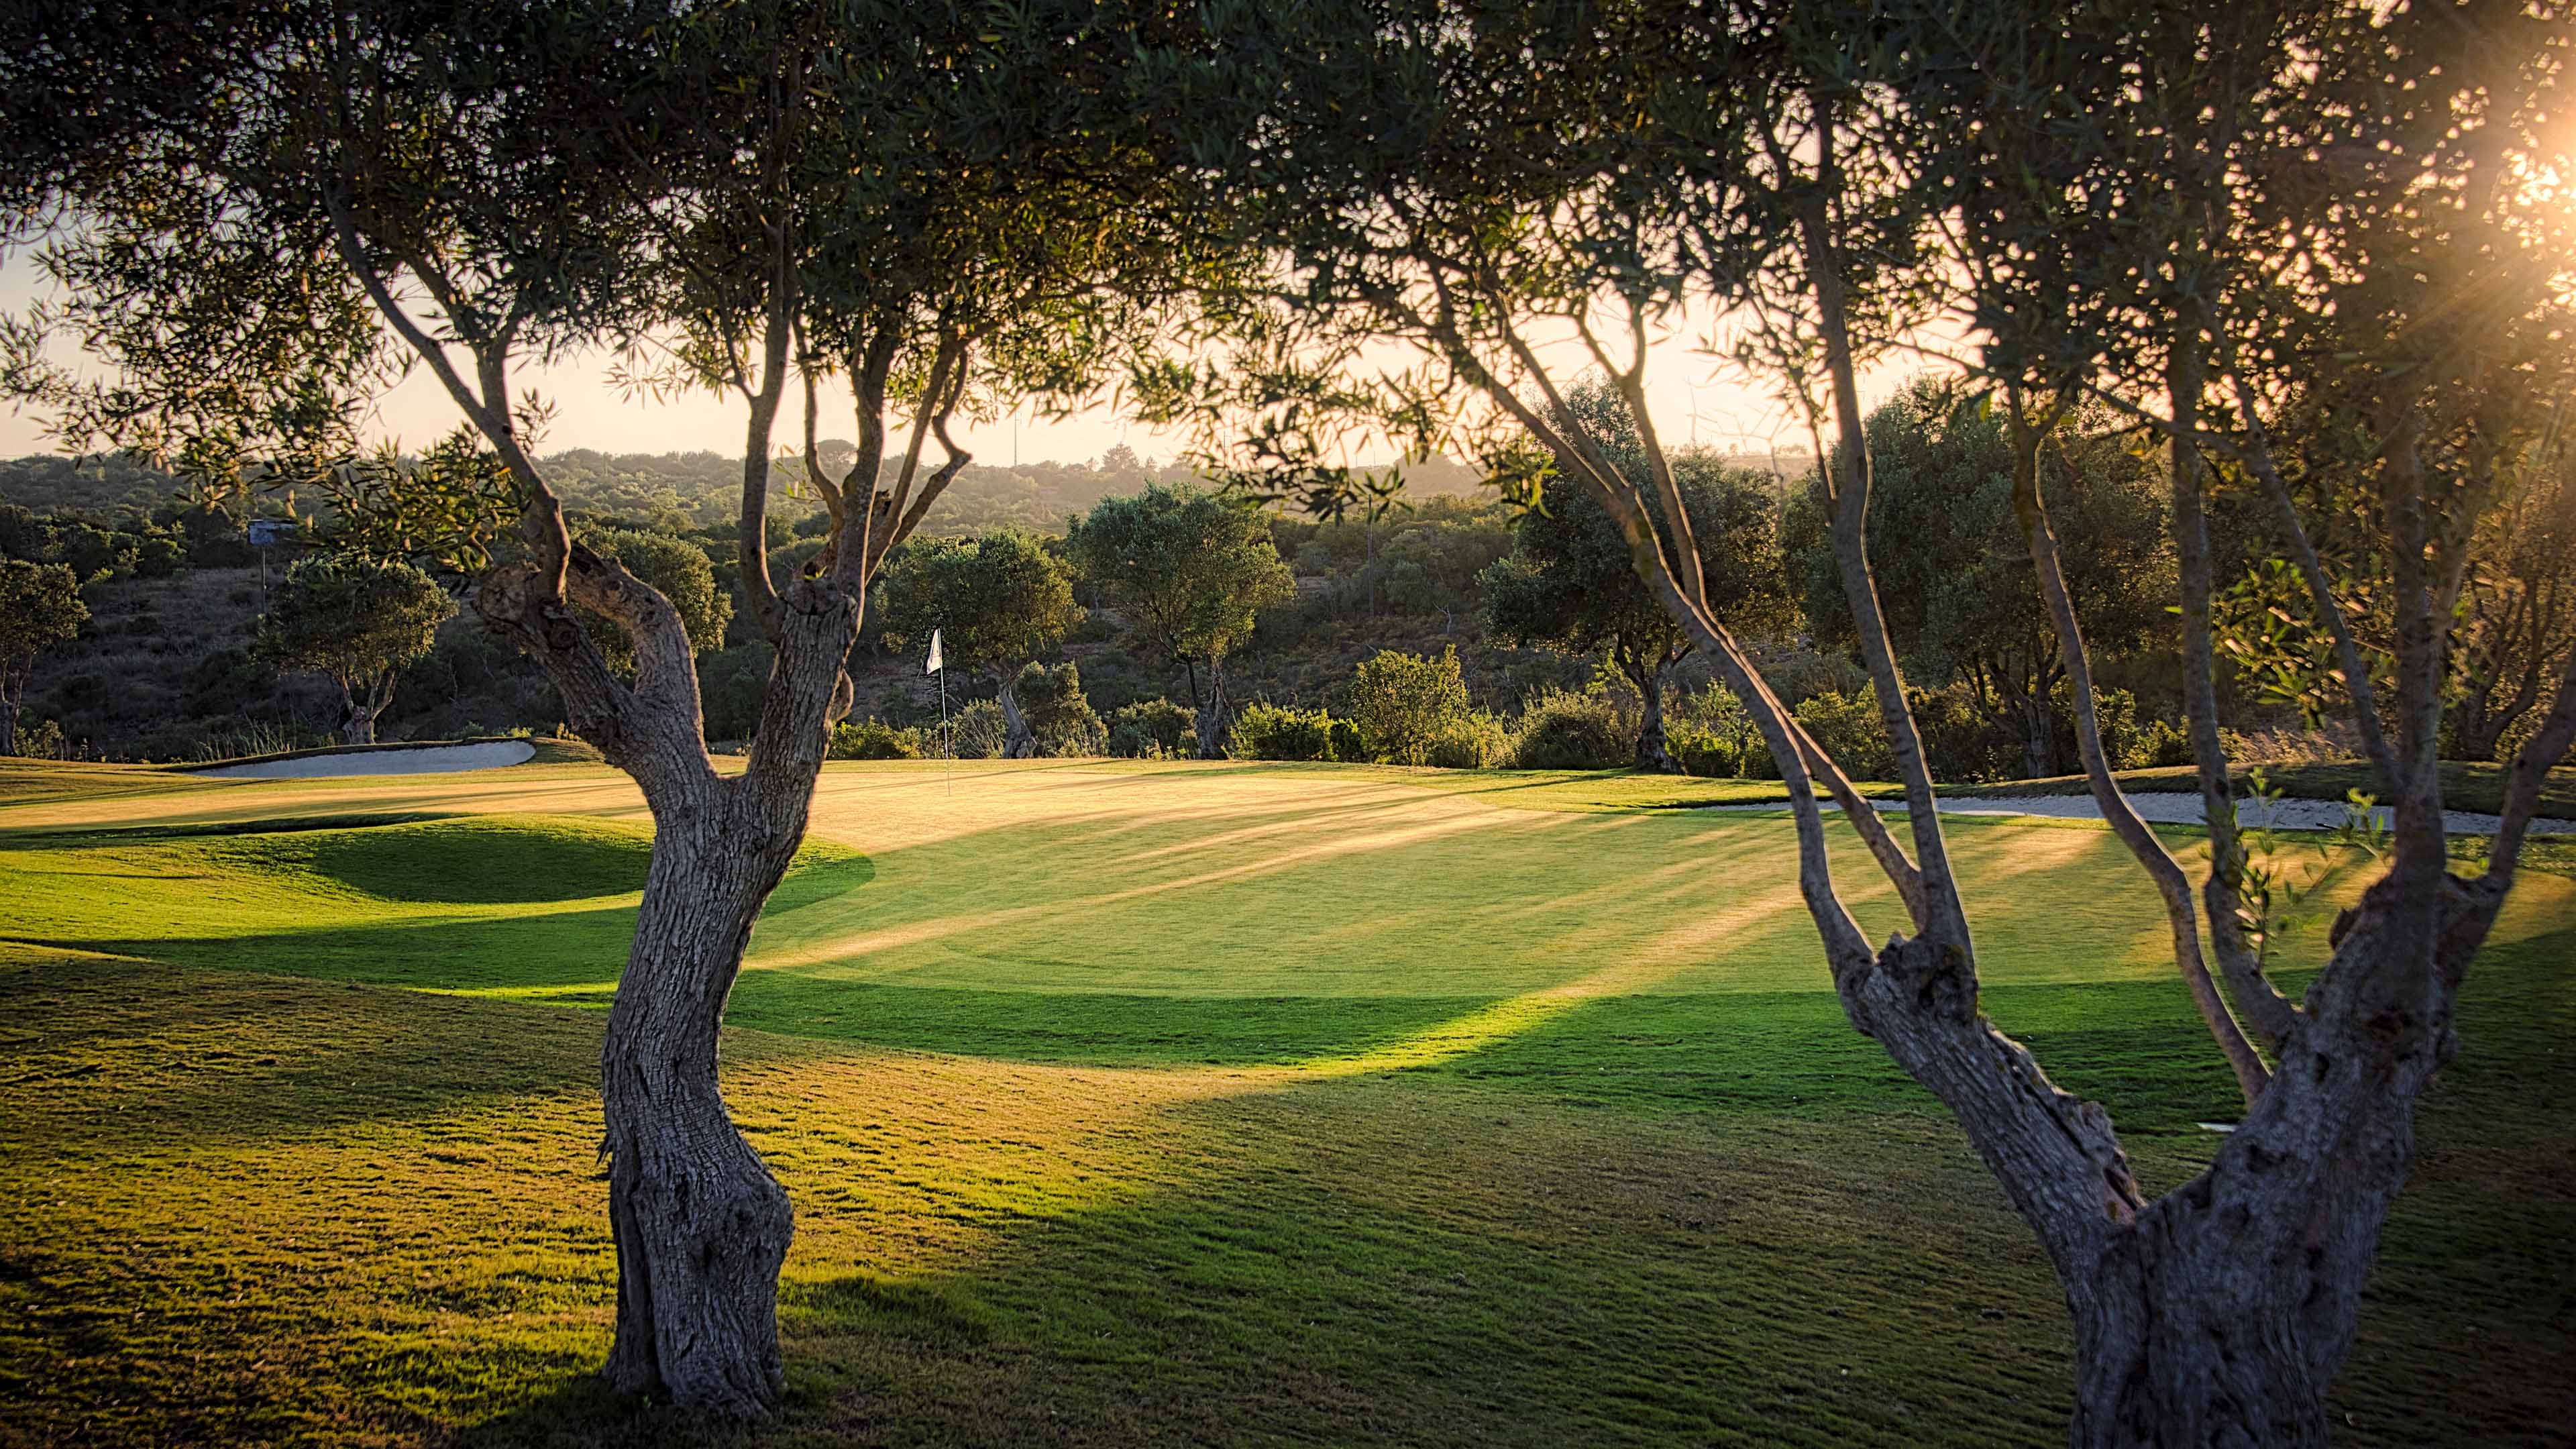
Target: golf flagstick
(947, 747)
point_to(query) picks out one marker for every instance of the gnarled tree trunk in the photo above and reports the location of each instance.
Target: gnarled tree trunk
(2222, 1315)
(1654, 754)
(1018, 741)
(701, 1227)
(1211, 720)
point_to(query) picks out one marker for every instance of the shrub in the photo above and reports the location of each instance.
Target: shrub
(1472, 743)
(1701, 752)
(1276, 732)
(1404, 702)
(872, 739)
(1349, 745)
(1060, 719)
(977, 732)
(1150, 729)
(2160, 743)
(1849, 729)
(1561, 730)
(1961, 741)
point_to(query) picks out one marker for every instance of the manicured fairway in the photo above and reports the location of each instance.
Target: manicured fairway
(1136, 1103)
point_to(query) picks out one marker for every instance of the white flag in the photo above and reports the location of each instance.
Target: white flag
(933, 666)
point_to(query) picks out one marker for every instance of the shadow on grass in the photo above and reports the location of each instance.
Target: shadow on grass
(110, 1055)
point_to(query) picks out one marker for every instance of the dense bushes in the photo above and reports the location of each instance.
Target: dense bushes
(1848, 728)
(1059, 718)
(1274, 732)
(873, 739)
(1406, 702)
(1150, 728)
(1561, 730)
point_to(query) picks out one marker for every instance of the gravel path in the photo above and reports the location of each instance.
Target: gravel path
(2179, 808)
(446, 759)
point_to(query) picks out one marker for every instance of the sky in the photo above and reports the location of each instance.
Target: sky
(1691, 395)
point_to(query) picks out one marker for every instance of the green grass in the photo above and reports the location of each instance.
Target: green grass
(1136, 1103)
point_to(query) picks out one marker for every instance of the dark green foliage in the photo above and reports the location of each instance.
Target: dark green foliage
(978, 731)
(996, 601)
(1404, 703)
(1702, 753)
(1151, 727)
(1277, 732)
(1850, 729)
(351, 620)
(679, 570)
(730, 682)
(1561, 730)
(873, 739)
(1189, 570)
(40, 607)
(1060, 720)
(1954, 573)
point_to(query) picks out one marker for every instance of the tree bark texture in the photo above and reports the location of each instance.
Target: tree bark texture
(700, 1225)
(1018, 742)
(13, 689)
(1211, 720)
(1654, 751)
(2222, 1315)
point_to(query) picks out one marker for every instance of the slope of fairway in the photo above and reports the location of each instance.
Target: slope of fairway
(1137, 1104)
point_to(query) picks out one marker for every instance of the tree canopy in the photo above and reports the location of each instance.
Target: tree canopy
(1191, 571)
(40, 607)
(357, 623)
(1570, 581)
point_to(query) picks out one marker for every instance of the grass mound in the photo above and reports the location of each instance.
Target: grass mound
(489, 859)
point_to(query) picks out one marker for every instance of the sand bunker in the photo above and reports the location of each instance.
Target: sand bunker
(436, 760)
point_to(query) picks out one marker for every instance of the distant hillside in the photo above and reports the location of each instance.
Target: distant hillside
(679, 492)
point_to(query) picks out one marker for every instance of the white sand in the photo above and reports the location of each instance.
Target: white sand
(445, 759)
(2178, 808)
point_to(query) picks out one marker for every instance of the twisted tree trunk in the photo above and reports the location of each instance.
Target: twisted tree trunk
(1018, 742)
(1654, 752)
(700, 1225)
(13, 689)
(2222, 1315)
(1211, 720)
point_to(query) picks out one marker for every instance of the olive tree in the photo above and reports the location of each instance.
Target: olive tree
(1191, 571)
(1958, 595)
(40, 607)
(357, 623)
(998, 602)
(1569, 584)
(949, 209)
(2218, 219)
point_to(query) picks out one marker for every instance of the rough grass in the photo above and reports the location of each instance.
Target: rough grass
(1134, 1104)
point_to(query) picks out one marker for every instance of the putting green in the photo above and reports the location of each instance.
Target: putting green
(1134, 1103)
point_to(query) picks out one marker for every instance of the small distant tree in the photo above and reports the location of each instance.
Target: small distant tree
(1406, 702)
(1571, 584)
(358, 624)
(683, 574)
(1191, 571)
(40, 607)
(997, 602)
